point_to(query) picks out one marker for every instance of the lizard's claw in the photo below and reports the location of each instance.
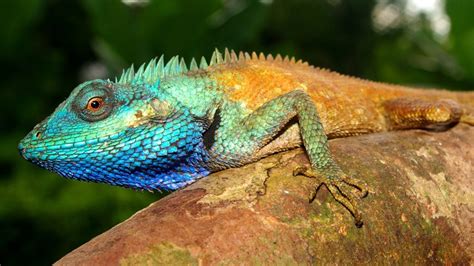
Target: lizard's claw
(336, 186)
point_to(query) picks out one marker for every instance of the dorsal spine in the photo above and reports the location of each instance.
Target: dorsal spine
(155, 70)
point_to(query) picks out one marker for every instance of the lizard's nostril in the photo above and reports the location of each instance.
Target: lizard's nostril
(38, 134)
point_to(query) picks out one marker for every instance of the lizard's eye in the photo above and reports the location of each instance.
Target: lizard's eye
(95, 104)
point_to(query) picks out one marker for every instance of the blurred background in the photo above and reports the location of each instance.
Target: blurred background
(47, 47)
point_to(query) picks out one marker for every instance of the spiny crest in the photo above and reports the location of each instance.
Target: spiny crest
(157, 69)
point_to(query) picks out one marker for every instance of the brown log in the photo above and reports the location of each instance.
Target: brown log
(420, 211)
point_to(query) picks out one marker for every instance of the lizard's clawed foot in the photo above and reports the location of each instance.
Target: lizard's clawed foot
(337, 185)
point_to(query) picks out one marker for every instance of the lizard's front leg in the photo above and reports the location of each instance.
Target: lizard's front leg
(239, 142)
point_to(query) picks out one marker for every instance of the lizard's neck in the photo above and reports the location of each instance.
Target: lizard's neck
(180, 175)
(197, 92)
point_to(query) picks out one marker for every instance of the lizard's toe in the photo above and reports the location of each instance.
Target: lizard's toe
(361, 186)
(346, 198)
(338, 186)
(301, 170)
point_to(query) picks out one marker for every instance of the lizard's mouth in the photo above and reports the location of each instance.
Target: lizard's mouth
(28, 145)
(24, 147)
(37, 152)
(22, 151)
(27, 149)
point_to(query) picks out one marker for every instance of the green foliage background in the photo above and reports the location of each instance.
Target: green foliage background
(47, 47)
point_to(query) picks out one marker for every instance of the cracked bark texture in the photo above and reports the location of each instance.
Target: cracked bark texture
(420, 211)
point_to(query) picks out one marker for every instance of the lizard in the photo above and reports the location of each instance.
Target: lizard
(166, 125)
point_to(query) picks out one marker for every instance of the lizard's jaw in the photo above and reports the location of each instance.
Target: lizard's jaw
(25, 147)
(22, 150)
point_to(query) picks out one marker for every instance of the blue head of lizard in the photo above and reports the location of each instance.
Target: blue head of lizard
(130, 134)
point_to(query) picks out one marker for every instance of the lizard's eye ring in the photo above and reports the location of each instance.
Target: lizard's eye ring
(95, 104)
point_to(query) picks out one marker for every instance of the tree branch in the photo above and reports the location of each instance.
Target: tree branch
(420, 210)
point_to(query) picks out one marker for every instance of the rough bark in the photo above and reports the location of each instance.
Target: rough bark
(420, 211)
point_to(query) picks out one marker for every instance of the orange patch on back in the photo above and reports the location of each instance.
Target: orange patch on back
(256, 83)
